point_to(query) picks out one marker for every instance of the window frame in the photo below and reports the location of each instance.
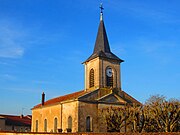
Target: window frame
(55, 124)
(45, 125)
(88, 124)
(37, 125)
(70, 125)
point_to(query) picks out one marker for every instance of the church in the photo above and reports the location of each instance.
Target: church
(80, 111)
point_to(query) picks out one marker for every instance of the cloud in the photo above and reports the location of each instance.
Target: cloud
(148, 11)
(152, 46)
(3, 63)
(43, 82)
(119, 48)
(21, 90)
(10, 41)
(157, 49)
(8, 77)
(11, 52)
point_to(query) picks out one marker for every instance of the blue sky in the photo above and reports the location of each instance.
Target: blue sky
(44, 42)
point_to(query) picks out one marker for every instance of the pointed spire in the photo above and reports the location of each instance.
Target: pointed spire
(101, 47)
(101, 43)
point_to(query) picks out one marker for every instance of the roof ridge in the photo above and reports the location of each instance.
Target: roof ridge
(129, 96)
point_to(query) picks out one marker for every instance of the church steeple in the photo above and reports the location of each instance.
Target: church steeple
(101, 43)
(101, 47)
(102, 68)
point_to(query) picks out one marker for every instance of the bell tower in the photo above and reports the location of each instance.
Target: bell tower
(102, 68)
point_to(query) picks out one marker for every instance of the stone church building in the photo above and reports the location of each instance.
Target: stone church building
(79, 111)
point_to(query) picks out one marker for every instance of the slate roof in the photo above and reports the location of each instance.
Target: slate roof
(17, 120)
(101, 47)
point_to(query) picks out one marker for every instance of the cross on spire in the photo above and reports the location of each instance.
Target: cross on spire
(101, 14)
(101, 7)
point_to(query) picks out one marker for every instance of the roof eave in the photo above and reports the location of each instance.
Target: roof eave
(119, 60)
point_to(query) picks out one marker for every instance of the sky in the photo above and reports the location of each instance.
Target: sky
(44, 42)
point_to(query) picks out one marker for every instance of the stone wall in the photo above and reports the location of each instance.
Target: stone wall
(46, 112)
(12, 133)
(99, 66)
(70, 110)
(59, 111)
(85, 110)
(93, 64)
(104, 64)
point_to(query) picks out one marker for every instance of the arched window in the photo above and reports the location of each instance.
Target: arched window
(45, 125)
(69, 124)
(109, 77)
(36, 125)
(88, 124)
(91, 78)
(55, 125)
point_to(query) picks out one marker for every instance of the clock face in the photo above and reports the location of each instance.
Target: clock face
(109, 72)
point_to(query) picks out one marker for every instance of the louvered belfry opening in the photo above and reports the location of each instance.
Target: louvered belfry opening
(109, 81)
(91, 78)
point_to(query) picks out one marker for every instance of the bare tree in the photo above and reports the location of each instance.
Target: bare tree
(157, 115)
(137, 118)
(164, 115)
(117, 118)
